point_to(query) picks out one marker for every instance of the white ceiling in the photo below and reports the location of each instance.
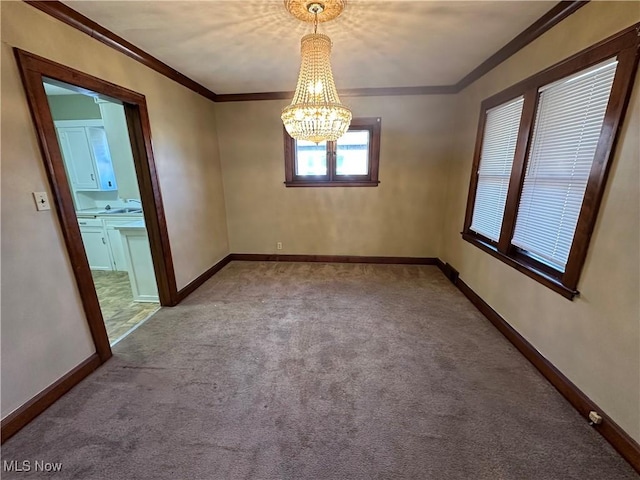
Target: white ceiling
(241, 46)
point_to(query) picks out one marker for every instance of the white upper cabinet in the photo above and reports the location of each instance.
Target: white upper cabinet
(77, 155)
(101, 157)
(87, 157)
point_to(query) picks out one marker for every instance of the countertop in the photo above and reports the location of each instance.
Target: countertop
(132, 225)
(93, 212)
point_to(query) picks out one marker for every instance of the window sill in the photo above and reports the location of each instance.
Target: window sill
(537, 275)
(332, 184)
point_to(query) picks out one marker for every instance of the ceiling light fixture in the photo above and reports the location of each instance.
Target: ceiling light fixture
(316, 113)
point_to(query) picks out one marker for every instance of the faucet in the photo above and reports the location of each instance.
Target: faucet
(133, 200)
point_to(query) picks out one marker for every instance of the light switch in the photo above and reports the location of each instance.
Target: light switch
(42, 200)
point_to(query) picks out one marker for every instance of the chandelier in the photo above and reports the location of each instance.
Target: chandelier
(316, 114)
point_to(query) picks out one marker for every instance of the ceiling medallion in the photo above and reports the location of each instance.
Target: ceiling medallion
(303, 10)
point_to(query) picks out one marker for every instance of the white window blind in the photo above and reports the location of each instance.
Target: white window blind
(565, 136)
(496, 159)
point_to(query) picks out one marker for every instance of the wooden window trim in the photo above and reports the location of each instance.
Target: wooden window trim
(625, 45)
(372, 124)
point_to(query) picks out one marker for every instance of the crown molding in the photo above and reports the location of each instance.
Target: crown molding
(71, 17)
(252, 97)
(351, 92)
(550, 19)
(75, 19)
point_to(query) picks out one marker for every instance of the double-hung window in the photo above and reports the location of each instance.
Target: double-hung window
(494, 172)
(351, 161)
(542, 159)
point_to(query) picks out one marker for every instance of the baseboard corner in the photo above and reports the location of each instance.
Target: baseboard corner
(194, 284)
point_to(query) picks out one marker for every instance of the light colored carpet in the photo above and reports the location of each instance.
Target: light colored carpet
(316, 371)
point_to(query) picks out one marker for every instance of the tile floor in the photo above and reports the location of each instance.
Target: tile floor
(119, 311)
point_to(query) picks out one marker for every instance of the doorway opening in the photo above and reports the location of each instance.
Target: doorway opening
(110, 210)
(98, 160)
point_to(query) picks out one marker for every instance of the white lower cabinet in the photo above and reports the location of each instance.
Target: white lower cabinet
(117, 253)
(139, 262)
(103, 241)
(121, 243)
(95, 244)
(115, 241)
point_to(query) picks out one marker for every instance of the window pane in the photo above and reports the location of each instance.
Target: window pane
(311, 158)
(496, 159)
(565, 137)
(352, 156)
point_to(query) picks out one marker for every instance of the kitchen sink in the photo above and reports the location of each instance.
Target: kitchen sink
(122, 210)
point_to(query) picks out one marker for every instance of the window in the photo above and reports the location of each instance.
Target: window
(351, 161)
(494, 173)
(542, 159)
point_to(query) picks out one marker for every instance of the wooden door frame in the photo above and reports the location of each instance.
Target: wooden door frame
(33, 69)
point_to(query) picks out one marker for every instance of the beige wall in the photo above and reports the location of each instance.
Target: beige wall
(44, 331)
(403, 216)
(595, 339)
(424, 169)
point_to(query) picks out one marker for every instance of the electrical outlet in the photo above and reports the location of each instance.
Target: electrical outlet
(42, 200)
(279, 245)
(595, 418)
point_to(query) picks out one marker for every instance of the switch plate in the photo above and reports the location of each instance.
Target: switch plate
(279, 245)
(42, 200)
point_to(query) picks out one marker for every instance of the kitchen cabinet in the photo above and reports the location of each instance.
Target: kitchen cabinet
(115, 241)
(117, 252)
(142, 276)
(86, 156)
(75, 151)
(95, 244)
(103, 241)
(120, 243)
